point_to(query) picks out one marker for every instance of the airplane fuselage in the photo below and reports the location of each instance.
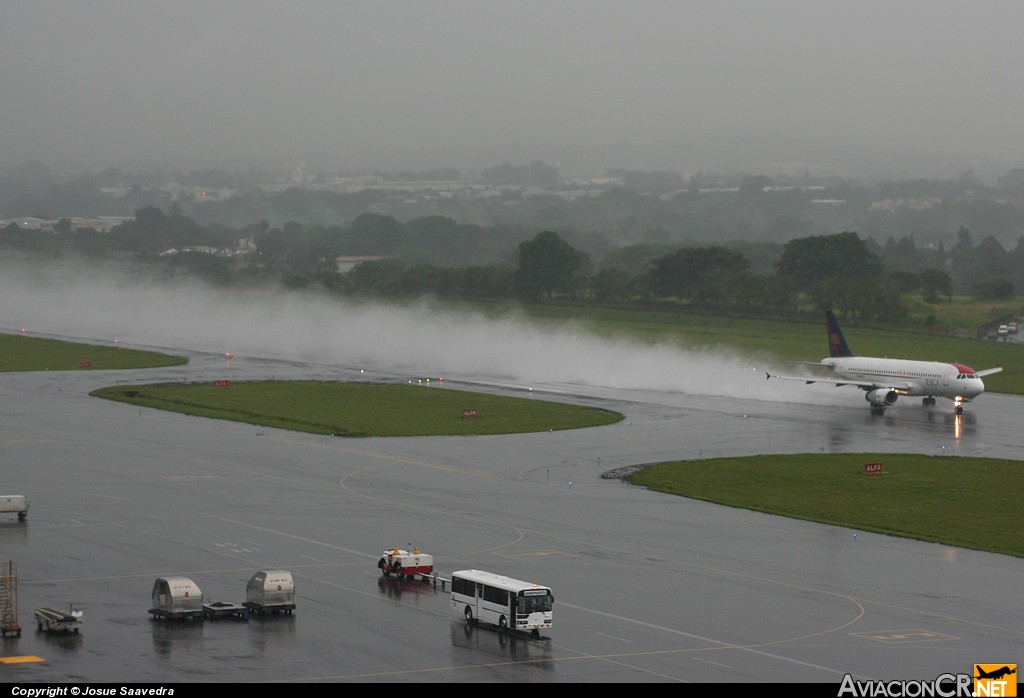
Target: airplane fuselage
(906, 377)
(885, 380)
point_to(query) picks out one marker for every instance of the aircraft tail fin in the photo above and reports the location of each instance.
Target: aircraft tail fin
(837, 345)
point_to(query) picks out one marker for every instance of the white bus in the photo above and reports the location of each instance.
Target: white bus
(501, 601)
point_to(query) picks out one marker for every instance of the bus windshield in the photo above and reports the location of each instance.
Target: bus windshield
(535, 604)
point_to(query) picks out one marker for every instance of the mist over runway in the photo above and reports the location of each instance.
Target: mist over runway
(420, 338)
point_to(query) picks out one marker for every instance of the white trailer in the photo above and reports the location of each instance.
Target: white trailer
(14, 504)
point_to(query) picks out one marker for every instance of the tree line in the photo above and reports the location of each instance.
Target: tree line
(627, 207)
(437, 256)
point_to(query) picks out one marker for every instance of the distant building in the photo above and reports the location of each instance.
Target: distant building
(195, 249)
(102, 224)
(347, 264)
(296, 173)
(32, 223)
(181, 192)
(914, 203)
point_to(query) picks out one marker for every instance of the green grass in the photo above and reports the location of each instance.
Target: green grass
(362, 409)
(966, 502)
(23, 353)
(962, 314)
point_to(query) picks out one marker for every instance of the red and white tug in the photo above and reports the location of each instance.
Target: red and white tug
(402, 563)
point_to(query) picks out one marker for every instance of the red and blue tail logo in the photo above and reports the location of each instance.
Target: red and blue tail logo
(837, 345)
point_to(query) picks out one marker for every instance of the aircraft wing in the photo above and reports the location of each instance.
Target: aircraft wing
(866, 385)
(988, 371)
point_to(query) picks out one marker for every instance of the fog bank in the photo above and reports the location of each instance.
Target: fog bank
(421, 339)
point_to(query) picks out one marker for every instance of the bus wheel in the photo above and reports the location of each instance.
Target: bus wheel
(503, 623)
(469, 614)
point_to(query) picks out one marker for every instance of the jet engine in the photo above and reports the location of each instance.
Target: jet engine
(881, 397)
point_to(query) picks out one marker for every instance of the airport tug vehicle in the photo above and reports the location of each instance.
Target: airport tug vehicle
(402, 563)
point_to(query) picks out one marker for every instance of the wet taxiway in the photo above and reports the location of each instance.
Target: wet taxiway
(648, 587)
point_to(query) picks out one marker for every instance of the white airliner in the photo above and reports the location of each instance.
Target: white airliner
(884, 380)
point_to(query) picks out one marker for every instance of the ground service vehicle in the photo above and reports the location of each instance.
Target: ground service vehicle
(14, 504)
(270, 591)
(502, 601)
(402, 563)
(53, 620)
(177, 598)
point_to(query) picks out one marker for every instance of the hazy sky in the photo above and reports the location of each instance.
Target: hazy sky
(429, 83)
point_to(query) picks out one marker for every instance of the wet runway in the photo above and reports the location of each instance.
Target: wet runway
(648, 587)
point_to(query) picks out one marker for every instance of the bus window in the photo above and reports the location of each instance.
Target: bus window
(534, 604)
